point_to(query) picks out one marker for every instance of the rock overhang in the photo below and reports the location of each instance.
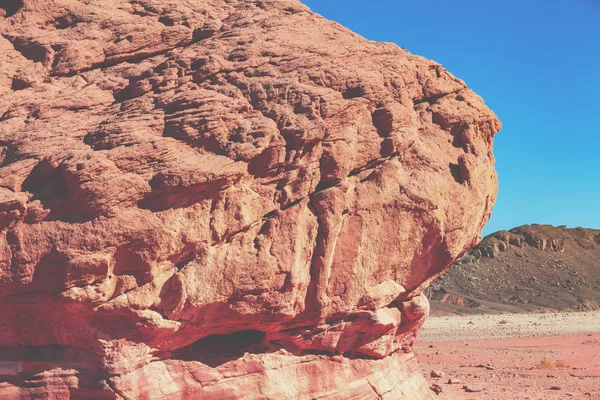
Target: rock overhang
(177, 173)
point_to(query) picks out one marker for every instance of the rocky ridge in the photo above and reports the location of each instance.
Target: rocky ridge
(207, 199)
(529, 268)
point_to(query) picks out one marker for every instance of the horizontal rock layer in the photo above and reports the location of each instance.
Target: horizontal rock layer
(176, 173)
(279, 375)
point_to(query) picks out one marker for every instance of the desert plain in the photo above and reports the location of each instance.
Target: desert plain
(512, 356)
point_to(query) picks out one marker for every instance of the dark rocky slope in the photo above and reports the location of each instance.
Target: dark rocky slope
(528, 268)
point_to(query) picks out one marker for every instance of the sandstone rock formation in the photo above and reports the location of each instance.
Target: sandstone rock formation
(224, 199)
(528, 268)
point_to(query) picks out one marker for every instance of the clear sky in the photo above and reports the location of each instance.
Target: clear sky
(536, 63)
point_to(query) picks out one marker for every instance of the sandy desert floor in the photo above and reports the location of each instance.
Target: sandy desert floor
(513, 356)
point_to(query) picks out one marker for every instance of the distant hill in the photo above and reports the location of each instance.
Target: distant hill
(529, 268)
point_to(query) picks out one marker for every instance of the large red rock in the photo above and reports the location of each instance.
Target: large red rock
(224, 199)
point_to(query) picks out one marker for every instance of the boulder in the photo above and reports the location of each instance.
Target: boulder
(224, 199)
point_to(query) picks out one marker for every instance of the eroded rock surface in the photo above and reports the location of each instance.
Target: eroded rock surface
(224, 199)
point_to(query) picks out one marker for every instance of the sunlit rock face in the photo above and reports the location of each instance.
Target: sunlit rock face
(224, 199)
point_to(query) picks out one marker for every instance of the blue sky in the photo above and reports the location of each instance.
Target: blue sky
(536, 63)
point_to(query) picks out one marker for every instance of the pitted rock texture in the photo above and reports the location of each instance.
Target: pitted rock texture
(224, 199)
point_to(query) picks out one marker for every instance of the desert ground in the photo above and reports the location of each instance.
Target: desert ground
(513, 356)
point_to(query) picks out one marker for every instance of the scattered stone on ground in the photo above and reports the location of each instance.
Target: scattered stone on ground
(437, 389)
(470, 389)
(518, 369)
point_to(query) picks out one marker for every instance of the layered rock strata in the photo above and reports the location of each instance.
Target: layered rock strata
(224, 199)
